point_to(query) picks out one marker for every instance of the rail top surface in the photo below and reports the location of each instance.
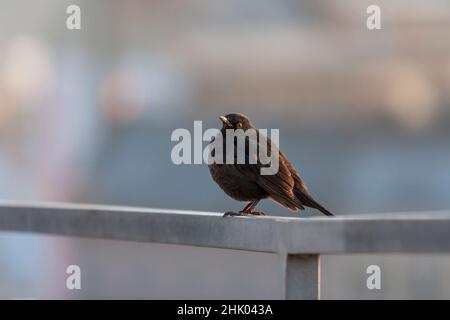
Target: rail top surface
(413, 232)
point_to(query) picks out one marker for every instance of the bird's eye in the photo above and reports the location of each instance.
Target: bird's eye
(239, 125)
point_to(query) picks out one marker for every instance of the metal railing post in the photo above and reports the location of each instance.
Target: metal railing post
(301, 277)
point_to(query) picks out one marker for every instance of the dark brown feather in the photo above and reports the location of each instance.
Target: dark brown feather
(245, 182)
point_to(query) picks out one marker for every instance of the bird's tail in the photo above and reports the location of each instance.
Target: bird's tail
(307, 200)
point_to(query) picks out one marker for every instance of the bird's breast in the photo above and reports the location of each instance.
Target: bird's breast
(235, 184)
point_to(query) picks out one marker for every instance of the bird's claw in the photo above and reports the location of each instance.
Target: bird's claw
(243, 213)
(257, 213)
(231, 214)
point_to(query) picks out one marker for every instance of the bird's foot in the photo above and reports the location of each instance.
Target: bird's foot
(232, 214)
(243, 213)
(256, 213)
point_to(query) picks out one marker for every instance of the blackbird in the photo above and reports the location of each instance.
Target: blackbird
(244, 181)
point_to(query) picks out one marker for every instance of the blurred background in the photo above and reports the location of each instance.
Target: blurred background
(86, 115)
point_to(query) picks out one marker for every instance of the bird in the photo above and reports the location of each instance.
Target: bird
(244, 181)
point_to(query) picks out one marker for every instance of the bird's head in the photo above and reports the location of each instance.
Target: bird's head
(235, 121)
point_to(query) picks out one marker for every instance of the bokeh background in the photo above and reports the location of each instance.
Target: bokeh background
(86, 115)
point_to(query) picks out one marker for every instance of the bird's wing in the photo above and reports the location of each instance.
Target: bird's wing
(302, 193)
(279, 186)
(298, 182)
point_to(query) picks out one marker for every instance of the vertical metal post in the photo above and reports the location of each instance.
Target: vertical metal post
(301, 277)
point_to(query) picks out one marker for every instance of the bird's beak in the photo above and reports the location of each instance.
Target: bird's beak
(225, 121)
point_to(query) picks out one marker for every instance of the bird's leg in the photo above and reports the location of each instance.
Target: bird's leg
(249, 206)
(248, 210)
